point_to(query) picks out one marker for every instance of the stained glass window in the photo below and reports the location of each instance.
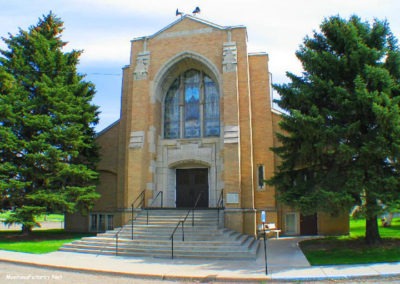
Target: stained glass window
(199, 114)
(211, 108)
(192, 104)
(171, 113)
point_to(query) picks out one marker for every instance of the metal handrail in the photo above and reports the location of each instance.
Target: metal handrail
(265, 252)
(182, 222)
(220, 203)
(192, 209)
(151, 204)
(141, 196)
(116, 240)
(141, 204)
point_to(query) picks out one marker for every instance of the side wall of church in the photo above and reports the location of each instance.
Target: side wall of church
(108, 167)
(263, 136)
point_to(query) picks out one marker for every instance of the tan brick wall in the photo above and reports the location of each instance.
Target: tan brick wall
(263, 134)
(245, 102)
(108, 168)
(246, 145)
(108, 143)
(76, 223)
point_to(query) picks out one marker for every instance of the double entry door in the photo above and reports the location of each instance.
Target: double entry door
(189, 184)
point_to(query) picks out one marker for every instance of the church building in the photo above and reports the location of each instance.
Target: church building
(196, 124)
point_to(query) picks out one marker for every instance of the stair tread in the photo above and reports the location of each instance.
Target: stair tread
(205, 239)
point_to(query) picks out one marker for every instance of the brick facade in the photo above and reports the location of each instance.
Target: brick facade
(135, 155)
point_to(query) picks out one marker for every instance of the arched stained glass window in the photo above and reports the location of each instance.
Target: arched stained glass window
(171, 113)
(191, 107)
(192, 104)
(211, 108)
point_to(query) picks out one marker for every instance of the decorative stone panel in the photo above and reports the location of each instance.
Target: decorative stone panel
(231, 134)
(185, 33)
(232, 198)
(142, 66)
(137, 139)
(229, 61)
(172, 155)
(151, 139)
(191, 152)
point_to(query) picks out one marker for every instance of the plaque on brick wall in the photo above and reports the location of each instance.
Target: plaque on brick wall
(232, 198)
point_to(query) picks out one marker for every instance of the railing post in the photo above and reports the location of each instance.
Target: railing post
(193, 218)
(116, 244)
(147, 212)
(218, 217)
(265, 252)
(162, 198)
(132, 223)
(172, 247)
(183, 232)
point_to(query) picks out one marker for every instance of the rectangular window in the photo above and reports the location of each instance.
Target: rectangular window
(110, 222)
(102, 223)
(93, 222)
(290, 223)
(261, 177)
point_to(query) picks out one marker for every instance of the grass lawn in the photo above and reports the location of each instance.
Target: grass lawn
(352, 249)
(38, 242)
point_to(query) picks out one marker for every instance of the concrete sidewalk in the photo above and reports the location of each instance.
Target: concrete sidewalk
(285, 262)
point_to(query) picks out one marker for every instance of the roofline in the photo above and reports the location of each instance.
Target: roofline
(276, 111)
(107, 128)
(192, 18)
(261, 53)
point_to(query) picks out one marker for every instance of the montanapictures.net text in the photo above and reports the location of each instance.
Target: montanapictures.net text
(33, 277)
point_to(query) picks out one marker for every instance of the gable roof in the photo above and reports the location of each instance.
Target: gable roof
(196, 19)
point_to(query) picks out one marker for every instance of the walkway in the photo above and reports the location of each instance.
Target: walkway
(285, 262)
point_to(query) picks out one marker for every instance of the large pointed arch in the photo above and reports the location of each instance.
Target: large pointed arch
(179, 63)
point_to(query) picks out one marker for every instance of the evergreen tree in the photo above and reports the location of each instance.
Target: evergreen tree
(47, 150)
(340, 144)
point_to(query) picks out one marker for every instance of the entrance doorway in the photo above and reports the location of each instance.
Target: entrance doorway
(308, 225)
(189, 184)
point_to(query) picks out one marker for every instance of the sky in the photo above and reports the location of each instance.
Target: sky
(103, 29)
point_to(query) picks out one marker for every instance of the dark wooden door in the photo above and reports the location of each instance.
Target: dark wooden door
(189, 183)
(308, 225)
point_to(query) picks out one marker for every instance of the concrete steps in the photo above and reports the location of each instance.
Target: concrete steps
(204, 240)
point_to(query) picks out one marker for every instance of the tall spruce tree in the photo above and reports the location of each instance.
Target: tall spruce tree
(47, 150)
(340, 144)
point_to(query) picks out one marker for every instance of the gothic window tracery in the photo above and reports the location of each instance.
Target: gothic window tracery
(191, 107)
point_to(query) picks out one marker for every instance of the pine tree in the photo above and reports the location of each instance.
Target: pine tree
(47, 149)
(340, 144)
